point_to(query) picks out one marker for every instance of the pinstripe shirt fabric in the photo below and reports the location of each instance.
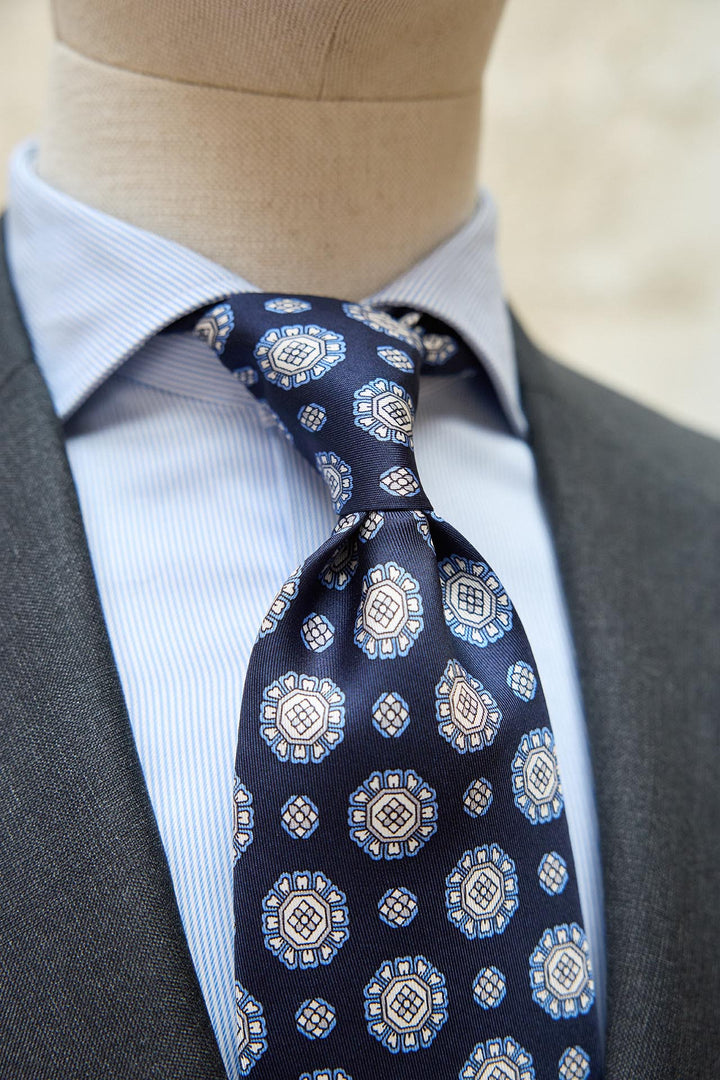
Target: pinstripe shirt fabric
(196, 509)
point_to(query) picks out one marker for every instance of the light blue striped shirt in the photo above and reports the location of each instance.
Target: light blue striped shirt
(196, 509)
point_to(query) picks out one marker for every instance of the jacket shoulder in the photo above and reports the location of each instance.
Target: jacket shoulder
(642, 439)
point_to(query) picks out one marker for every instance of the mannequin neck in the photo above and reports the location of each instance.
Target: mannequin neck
(294, 186)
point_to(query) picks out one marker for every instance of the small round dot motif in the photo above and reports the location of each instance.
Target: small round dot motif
(246, 375)
(400, 481)
(489, 987)
(553, 873)
(391, 715)
(315, 1018)
(317, 632)
(287, 305)
(477, 798)
(398, 907)
(299, 817)
(521, 680)
(312, 417)
(574, 1064)
(438, 348)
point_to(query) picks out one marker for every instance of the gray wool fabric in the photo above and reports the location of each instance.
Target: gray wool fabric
(96, 976)
(97, 979)
(634, 503)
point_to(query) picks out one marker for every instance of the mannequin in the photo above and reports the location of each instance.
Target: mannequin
(311, 146)
(314, 146)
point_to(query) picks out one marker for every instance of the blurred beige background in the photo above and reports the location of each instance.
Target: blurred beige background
(602, 147)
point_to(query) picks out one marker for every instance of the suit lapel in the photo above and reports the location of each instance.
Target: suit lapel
(91, 932)
(101, 972)
(632, 501)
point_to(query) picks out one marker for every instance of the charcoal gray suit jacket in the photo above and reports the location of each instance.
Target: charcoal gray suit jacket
(96, 978)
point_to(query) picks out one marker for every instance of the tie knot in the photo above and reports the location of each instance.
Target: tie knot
(342, 378)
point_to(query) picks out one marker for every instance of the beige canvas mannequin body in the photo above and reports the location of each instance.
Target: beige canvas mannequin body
(314, 146)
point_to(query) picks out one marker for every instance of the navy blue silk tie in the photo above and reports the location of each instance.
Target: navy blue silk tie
(406, 902)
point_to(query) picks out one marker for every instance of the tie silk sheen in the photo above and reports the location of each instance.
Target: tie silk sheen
(405, 897)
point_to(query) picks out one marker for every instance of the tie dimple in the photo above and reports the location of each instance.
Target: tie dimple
(348, 407)
(405, 894)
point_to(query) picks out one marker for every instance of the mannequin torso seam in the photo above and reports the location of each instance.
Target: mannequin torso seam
(246, 91)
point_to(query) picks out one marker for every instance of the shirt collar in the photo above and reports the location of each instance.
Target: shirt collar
(94, 289)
